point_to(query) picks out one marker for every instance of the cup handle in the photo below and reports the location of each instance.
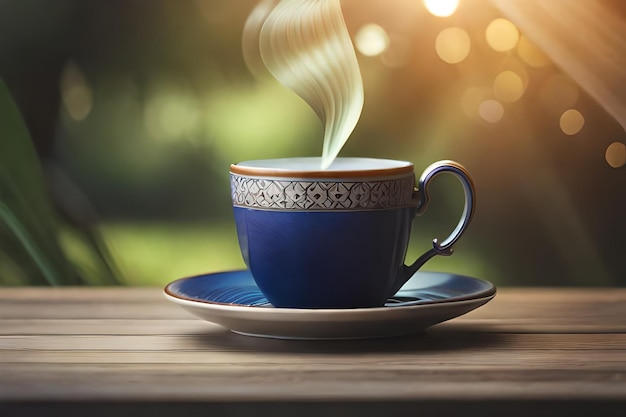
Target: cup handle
(444, 248)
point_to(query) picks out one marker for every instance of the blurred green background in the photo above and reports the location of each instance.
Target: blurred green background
(133, 111)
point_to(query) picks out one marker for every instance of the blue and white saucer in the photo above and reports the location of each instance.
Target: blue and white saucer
(233, 300)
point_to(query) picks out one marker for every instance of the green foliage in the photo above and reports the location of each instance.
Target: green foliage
(30, 250)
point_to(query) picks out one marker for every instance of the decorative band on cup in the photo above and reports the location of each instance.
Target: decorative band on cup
(337, 195)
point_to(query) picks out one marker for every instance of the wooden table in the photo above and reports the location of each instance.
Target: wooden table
(129, 352)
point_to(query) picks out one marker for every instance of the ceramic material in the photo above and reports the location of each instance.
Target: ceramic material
(233, 300)
(334, 238)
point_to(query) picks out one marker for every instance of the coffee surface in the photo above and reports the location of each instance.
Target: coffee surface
(313, 164)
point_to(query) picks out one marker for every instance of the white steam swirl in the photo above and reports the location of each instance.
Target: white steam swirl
(306, 46)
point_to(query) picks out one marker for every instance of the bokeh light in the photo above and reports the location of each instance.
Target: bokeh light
(530, 54)
(371, 40)
(615, 155)
(171, 112)
(491, 111)
(453, 45)
(571, 122)
(508, 86)
(502, 35)
(441, 8)
(76, 94)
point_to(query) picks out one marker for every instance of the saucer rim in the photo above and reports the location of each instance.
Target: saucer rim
(487, 293)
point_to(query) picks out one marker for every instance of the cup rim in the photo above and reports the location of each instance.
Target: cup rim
(339, 169)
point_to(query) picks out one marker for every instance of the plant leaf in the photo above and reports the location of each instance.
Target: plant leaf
(30, 226)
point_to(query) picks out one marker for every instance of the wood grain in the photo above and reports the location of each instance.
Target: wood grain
(127, 351)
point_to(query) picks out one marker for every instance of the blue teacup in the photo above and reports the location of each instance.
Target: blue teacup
(334, 238)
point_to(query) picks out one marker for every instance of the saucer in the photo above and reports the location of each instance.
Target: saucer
(233, 300)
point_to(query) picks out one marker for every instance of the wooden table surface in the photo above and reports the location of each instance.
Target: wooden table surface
(127, 351)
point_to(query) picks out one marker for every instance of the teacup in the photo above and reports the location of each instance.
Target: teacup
(338, 237)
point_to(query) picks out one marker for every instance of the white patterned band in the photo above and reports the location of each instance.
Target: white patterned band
(322, 194)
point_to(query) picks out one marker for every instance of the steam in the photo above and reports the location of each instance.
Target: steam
(306, 46)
